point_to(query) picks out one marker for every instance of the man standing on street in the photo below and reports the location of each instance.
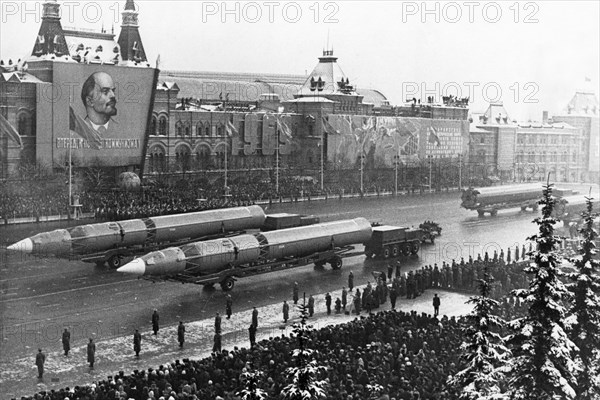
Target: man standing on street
(351, 281)
(137, 343)
(40, 359)
(91, 352)
(217, 323)
(217, 343)
(328, 303)
(286, 311)
(228, 305)
(295, 298)
(66, 341)
(311, 306)
(255, 317)
(436, 305)
(393, 296)
(181, 333)
(252, 334)
(155, 322)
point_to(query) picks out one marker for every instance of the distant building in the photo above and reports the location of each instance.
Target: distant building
(583, 112)
(507, 150)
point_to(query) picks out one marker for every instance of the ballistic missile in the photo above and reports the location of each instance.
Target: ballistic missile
(100, 237)
(213, 256)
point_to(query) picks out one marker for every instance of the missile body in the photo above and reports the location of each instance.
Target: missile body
(213, 256)
(94, 238)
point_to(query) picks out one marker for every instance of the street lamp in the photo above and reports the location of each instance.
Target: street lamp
(362, 156)
(319, 85)
(396, 163)
(430, 157)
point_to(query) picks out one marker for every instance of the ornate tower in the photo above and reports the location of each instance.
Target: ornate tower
(51, 38)
(130, 41)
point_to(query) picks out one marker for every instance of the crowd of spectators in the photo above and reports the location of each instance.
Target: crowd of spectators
(35, 201)
(410, 355)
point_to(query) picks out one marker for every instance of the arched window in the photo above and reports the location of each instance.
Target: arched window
(162, 126)
(220, 130)
(187, 130)
(153, 124)
(24, 124)
(182, 158)
(203, 158)
(199, 129)
(179, 128)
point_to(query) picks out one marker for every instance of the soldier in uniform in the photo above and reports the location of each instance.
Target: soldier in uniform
(255, 317)
(66, 341)
(393, 296)
(295, 298)
(252, 335)
(286, 311)
(328, 303)
(91, 352)
(217, 323)
(344, 298)
(351, 281)
(181, 333)
(217, 343)
(137, 343)
(436, 305)
(40, 360)
(155, 322)
(228, 305)
(311, 306)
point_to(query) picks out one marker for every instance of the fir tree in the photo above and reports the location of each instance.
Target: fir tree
(483, 349)
(542, 366)
(251, 380)
(585, 310)
(304, 375)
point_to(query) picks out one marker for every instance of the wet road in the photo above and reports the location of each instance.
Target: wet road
(39, 297)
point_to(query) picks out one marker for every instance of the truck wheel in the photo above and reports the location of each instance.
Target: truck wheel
(395, 251)
(115, 261)
(414, 248)
(535, 207)
(227, 284)
(319, 264)
(480, 213)
(369, 253)
(406, 249)
(494, 213)
(523, 208)
(336, 263)
(386, 252)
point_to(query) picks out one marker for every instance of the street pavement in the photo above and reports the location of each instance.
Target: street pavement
(116, 354)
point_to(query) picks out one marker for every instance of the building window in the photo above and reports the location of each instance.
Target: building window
(482, 139)
(153, 124)
(24, 124)
(162, 126)
(178, 129)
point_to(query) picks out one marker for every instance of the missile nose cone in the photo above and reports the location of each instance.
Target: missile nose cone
(24, 246)
(135, 267)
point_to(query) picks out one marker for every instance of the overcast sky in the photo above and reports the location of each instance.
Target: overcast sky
(533, 56)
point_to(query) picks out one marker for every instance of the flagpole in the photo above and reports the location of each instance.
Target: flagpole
(277, 165)
(459, 171)
(70, 163)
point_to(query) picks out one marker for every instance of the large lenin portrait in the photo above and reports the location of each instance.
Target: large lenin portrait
(98, 95)
(103, 119)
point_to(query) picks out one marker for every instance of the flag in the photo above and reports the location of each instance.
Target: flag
(230, 129)
(327, 127)
(81, 128)
(7, 129)
(284, 128)
(433, 138)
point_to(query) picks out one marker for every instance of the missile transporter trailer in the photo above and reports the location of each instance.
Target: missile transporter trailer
(224, 260)
(490, 200)
(392, 241)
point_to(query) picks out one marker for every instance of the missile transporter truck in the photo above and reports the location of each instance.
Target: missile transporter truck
(490, 200)
(393, 241)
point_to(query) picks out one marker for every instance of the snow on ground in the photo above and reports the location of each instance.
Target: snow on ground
(19, 377)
